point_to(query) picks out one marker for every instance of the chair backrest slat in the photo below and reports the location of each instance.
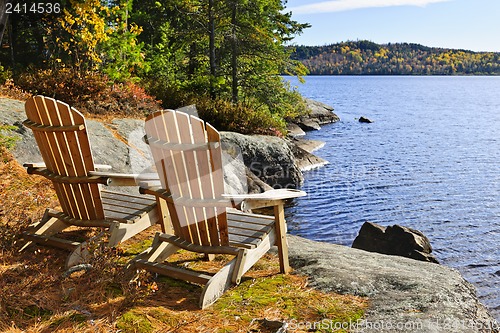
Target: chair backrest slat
(189, 174)
(215, 150)
(177, 127)
(187, 136)
(163, 161)
(66, 153)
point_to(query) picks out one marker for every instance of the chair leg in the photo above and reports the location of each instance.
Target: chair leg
(209, 257)
(82, 254)
(47, 226)
(232, 272)
(120, 232)
(158, 252)
(238, 270)
(164, 220)
(281, 242)
(217, 285)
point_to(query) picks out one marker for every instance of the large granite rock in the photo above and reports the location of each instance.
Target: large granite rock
(394, 240)
(269, 158)
(322, 112)
(404, 295)
(294, 130)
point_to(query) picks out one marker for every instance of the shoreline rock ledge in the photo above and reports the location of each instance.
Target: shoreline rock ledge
(404, 295)
(320, 114)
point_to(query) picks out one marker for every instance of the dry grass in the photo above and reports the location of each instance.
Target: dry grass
(36, 295)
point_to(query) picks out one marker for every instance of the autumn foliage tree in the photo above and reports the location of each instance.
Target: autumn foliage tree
(80, 31)
(183, 51)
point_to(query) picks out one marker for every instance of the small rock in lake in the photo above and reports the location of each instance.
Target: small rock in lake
(365, 120)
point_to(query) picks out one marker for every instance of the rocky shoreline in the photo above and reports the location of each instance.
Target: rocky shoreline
(405, 295)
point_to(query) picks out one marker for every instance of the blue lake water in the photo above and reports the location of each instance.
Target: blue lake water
(430, 161)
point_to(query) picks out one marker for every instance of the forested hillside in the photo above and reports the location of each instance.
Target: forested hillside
(368, 58)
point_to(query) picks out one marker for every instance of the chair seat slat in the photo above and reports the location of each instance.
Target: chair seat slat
(127, 206)
(125, 211)
(243, 242)
(129, 198)
(250, 217)
(250, 226)
(251, 234)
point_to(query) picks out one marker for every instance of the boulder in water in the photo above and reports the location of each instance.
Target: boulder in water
(394, 240)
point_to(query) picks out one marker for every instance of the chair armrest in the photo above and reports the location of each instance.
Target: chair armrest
(265, 199)
(38, 165)
(116, 179)
(156, 191)
(91, 179)
(106, 178)
(150, 184)
(123, 179)
(102, 167)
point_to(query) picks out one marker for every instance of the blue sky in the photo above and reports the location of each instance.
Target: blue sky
(461, 24)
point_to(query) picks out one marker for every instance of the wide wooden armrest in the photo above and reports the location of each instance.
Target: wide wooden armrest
(37, 165)
(279, 194)
(117, 179)
(124, 179)
(102, 177)
(102, 167)
(156, 191)
(33, 170)
(150, 184)
(265, 199)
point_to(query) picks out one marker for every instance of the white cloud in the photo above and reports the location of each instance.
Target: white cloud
(344, 5)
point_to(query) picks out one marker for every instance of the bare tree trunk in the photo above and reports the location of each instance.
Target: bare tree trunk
(12, 39)
(4, 18)
(211, 28)
(234, 57)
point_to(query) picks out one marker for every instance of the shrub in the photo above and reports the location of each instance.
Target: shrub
(5, 74)
(226, 116)
(66, 84)
(90, 92)
(126, 99)
(9, 89)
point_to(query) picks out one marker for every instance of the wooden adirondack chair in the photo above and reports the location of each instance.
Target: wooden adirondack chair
(187, 154)
(61, 135)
